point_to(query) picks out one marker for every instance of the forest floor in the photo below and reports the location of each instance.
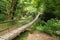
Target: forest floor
(40, 36)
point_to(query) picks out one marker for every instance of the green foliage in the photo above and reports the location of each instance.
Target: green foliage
(53, 6)
(19, 9)
(30, 8)
(15, 9)
(4, 6)
(2, 17)
(51, 27)
(22, 36)
(36, 24)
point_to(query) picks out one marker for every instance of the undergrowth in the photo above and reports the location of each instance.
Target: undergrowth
(52, 26)
(22, 36)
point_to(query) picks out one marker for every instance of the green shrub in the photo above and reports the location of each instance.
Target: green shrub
(2, 17)
(51, 26)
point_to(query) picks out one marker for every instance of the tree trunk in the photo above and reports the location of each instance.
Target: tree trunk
(13, 9)
(16, 32)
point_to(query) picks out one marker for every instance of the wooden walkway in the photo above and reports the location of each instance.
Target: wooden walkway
(12, 34)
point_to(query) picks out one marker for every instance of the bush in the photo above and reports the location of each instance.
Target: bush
(51, 27)
(2, 17)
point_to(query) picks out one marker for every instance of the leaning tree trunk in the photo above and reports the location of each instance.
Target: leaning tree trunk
(13, 9)
(16, 32)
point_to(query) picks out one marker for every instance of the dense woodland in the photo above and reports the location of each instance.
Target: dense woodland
(20, 12)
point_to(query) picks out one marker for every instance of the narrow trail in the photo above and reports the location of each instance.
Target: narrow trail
(12, 34)
(40, 36)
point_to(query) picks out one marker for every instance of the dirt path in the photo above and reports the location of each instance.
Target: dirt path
(39, 36)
